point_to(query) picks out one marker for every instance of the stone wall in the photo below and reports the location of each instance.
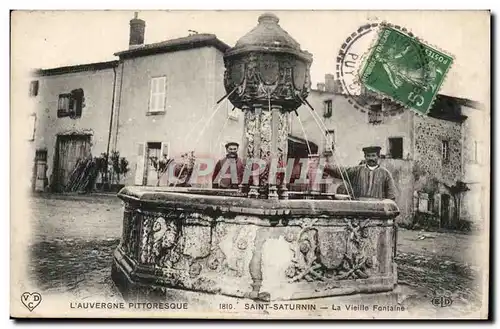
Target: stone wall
(432, 173)
(429, 134)
(476, 158)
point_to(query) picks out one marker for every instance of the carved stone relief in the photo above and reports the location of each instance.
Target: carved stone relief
(314, 263)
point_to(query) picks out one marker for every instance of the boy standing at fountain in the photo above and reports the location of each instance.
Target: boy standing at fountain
(368, 180)
(224, 175)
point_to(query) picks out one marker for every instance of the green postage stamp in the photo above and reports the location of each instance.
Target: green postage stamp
(405, 69)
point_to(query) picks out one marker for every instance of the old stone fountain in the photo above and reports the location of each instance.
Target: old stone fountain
(259, 241)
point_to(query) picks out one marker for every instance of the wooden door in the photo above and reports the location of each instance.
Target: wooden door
(445, 210)
(68, 150)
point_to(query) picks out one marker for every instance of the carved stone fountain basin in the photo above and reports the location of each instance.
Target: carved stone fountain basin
(253, 248)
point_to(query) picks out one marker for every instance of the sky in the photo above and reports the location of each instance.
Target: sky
(46, 39)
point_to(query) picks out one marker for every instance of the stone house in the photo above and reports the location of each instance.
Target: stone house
(154, 100)
(73, 105)
(166, 96)
(426, 154)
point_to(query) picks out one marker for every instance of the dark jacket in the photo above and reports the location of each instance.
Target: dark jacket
(226, 182)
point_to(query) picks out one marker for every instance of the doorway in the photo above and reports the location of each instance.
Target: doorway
(153, 154)
(445, 210)
(69, 149)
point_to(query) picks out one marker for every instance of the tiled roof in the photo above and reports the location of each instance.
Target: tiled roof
(76, 68)
(189, 42)
(463, 101)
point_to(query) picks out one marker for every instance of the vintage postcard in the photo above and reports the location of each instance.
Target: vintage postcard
(250, 164)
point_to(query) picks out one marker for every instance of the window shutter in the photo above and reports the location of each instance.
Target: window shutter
(161, 101)
(152, 94)
(155, 85)
(153, 103)
(161, 94)
(139, 170)
(71, 103)
(160, 86)
(157, 96)
(78, 101)
(164, 95)
(34, 88)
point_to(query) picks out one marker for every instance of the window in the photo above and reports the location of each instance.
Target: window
(329, 141)
(71, 104)
(423, 202)
(34, 88)
(63, 105)
(157, 96)
(328, 108)
(31, 127)
(430, 203)
(375, 114)
(41, 155)
(445, 150)
(396, 147)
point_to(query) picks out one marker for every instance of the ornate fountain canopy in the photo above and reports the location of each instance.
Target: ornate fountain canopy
(267, 66)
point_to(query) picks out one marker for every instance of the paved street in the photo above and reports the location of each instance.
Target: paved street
(73, 243)
(79, 217)
(76, 235)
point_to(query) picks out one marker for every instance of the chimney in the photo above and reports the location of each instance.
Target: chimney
(329, 83)
(137, 29)
(337, 87)
(320, 86)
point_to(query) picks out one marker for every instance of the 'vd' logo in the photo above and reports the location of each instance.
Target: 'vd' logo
(31, 300)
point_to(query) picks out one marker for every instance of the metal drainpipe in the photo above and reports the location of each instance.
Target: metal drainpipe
(111, 119)
(119, 103)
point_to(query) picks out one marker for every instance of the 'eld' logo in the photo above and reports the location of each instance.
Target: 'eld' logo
(442, 298)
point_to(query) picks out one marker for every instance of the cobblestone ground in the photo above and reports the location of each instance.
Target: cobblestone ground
(76, 235)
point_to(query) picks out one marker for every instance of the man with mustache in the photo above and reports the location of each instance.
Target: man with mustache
(368, 180)
(224, 176)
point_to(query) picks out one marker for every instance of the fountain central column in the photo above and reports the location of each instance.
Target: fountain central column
(266, 143)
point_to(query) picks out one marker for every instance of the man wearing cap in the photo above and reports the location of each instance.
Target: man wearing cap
(224, 175)
(369, 179)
